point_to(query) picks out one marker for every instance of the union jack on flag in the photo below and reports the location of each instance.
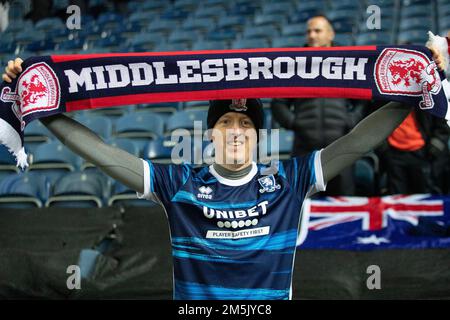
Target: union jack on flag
(360, 222)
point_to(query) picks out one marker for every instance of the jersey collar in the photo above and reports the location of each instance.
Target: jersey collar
(235, 182)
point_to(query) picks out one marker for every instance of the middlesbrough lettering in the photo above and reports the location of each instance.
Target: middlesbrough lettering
(215, 70)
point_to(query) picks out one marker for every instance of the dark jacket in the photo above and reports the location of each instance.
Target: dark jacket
(435, 132)
(317, 122)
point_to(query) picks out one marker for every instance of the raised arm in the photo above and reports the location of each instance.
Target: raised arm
(364, 137)
(115, 162)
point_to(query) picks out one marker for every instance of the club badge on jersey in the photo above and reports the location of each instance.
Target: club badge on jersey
(268, 184)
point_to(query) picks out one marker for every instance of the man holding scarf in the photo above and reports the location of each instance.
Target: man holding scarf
(234, 224)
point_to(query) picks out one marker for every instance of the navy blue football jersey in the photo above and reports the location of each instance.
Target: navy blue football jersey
(233, 239)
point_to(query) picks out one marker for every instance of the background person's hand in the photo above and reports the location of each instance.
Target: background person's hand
(13, 68)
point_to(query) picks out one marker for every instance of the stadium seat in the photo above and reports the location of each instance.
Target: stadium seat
(184, 5)
(412, 37)
(75, 44)
(221, 35)
(159, 108)
(196, 105)
(422, 24)
(293, 30)
(24, 190)
(154, 6)
(140, 127)
(201, 24)
(41, 45)
(301, 17)
(160, 26)
(243, 9)
(267, 32)
(110, 20)
(187, 37)
(269, 19)
(127, 145)
(7, 161)
(278, 7)
(35, 131)
(47, 24)
(54, 160)
(250, 43)
(289, 42)
(212, 12)
(421, 10)
(185, 120)
(139, 124)
(111, 42)
(373, 38)
(235, 23)
(343, 40)
(210, 45)
(79, 189)
(159, 150)
(141, 18)
(167, 47)
(101, 125)
(124, 196)
(145, 41)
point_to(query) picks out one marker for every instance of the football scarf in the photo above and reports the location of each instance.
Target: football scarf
(64, 83)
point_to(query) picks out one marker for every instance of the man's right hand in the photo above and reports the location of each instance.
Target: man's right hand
(13, 68)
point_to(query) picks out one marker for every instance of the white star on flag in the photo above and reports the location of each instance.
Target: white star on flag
(372, 240)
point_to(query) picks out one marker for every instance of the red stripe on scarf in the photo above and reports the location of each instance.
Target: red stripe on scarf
(275, 92)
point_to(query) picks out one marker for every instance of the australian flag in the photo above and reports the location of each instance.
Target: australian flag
(390, 222)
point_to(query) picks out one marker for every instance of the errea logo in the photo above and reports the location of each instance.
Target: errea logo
(205, 193)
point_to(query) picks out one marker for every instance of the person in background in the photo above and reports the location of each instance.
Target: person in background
(4, 12)
(416, 155)
(318, 122)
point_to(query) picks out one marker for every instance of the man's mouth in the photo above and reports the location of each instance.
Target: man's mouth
(235, 143)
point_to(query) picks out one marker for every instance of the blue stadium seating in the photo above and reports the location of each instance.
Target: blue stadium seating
(139, 124)
(123, 196)
(294, 30)
(47, 24)
(289, 42)
(54, 160)
(158, 150)
(201, 24)
(213, 11)
(24, 190)
(7, 161)
(269, 19)
(267, 32)
(101, 125)
(250, 43)
(185, 120)
(210, 45)
(79, 189)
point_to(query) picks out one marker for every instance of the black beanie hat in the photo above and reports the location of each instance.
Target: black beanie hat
(251, 107)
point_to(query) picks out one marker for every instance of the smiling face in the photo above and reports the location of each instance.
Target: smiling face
(234, 138)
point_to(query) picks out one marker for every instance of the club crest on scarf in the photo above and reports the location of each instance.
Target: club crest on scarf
(407, 72)
(268, 184)
(238, 105)
(37, 89)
